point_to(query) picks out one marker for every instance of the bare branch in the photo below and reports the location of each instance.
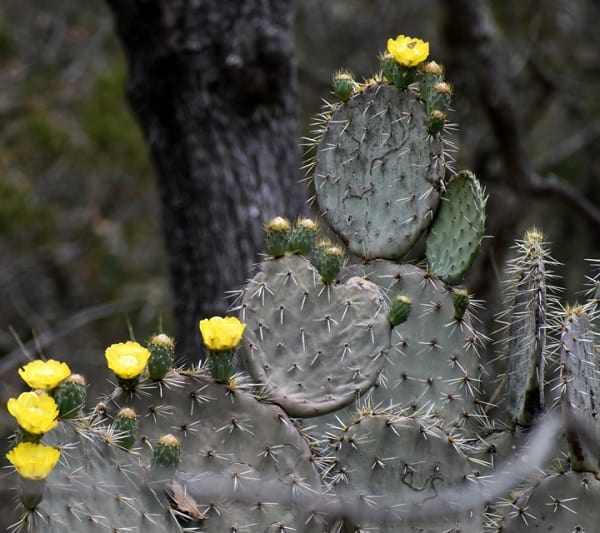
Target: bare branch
(479, 35)
(552, 186)
(67, 326)
(568, 147)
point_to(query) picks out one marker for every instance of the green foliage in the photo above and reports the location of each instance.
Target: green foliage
(23, 221)
(108, 124)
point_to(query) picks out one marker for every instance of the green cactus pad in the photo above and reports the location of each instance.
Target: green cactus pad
(314, 347)
(403, 459)
(98, 486)
(434, 362)
(455, 235)
(378, 172)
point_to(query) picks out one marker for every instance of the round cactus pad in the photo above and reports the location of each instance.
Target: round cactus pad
(433, 364)
(378, 172)
(314, 347)
(383, 457)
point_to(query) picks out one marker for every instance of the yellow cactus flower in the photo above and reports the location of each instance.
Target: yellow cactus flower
(33, 461)
(35, 411)
(408, 51)
(44, 375)
(127, 359)
(220, 333)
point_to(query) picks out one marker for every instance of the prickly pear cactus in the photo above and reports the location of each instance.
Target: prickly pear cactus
(378, 172)
(366, 404)
(527, 324)
(223, 432)
(567, 500)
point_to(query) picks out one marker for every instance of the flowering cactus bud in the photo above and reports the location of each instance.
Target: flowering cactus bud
(343, 85)
(460, 298)
(166, 452)
(302, 238)
(34, 463)
(125, 427)
(328, 260)
(162, 348)
(436, 121)
(221, 337)
(70, 396)
(400, 310)
(277, 236)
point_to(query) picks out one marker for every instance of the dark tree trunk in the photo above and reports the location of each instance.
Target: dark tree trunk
(213, 85)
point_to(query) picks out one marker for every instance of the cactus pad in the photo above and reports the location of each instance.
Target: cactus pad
(314, 347)
(379, 172)
(455, 234)
(580, 388)
(410, 460)
(219, 426)
(434, 362)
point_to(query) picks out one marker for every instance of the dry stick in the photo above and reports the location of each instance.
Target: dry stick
(78, 320)
(480, 34)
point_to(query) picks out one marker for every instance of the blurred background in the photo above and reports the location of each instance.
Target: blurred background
(83, 262)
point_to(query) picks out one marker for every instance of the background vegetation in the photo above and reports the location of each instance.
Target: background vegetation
(83, 262)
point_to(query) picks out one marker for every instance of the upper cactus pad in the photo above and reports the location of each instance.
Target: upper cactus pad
(379, 172)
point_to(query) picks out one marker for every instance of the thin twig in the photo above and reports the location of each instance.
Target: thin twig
(67, 326)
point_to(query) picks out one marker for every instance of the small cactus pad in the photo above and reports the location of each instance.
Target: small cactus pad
(314, 347)
(402, 460)
(455, 235)
(378, 172)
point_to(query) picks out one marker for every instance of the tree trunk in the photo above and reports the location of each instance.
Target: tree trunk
(213, 86)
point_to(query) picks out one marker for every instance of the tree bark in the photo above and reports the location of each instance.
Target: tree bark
(213, 86)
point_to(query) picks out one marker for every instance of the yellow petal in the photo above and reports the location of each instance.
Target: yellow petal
(127, 359)
(44, 375)
(33, 461)
(220, 333)
(36, 412)
(408, 51)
